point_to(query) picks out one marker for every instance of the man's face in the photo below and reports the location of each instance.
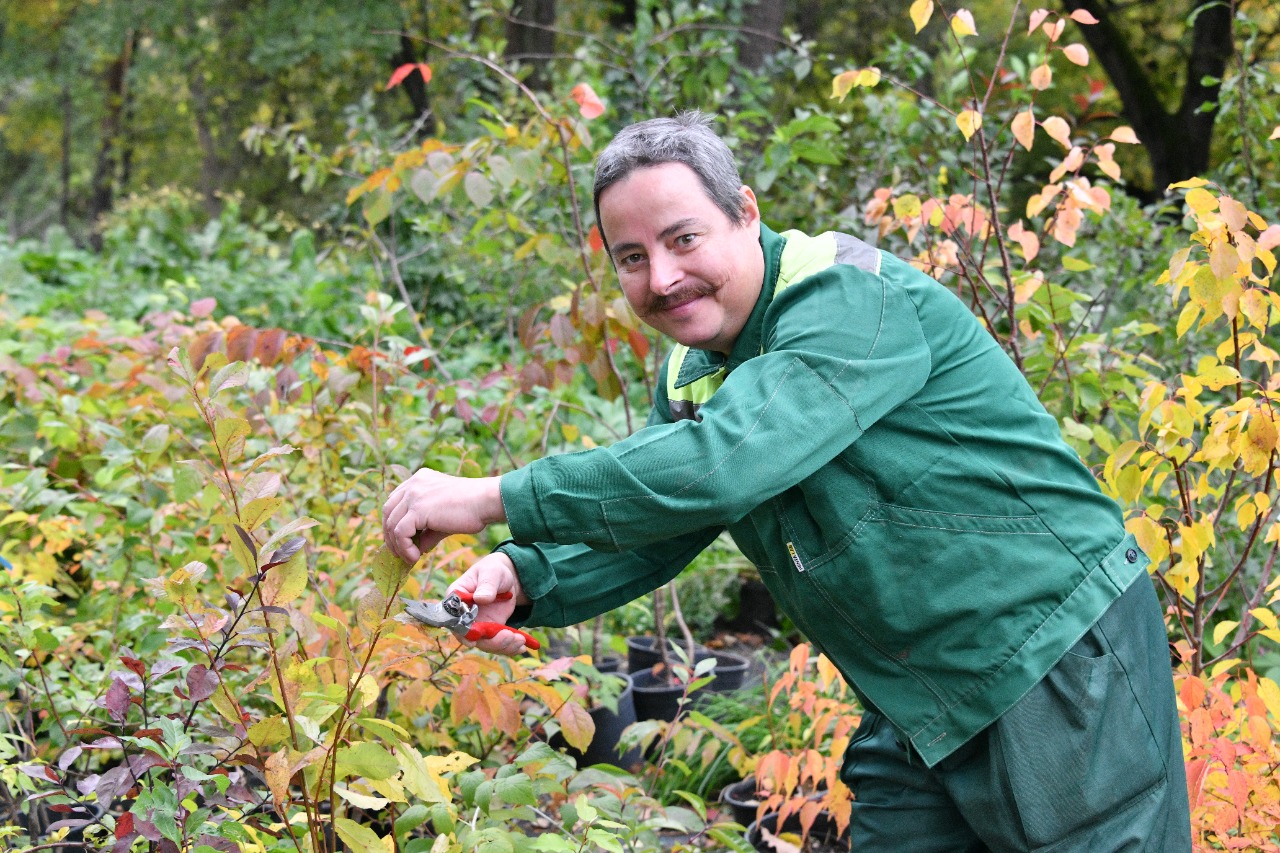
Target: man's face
(686, 268)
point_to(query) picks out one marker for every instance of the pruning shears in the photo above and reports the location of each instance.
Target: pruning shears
(457, 612)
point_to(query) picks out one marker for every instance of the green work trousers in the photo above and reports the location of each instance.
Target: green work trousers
(1089, 760)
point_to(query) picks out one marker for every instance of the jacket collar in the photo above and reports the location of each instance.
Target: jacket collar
(699, 363)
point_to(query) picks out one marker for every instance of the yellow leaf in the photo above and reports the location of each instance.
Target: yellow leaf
(921, 11)
(1124, 134)
(962, 23)
(1024, 128)
(1222, 666)
(1275, 134)
(1041, 77)
(1077, 53)
(1265, 616)
(1222, 629)
(1254, 305)
(367, 689)
(1269, 693)
(1189, 183)
(1217, 378)
(868, 77)
(907, 206)
(969, 121)
(843, 82)
(1058, 129)
(569, 431)
(1201, 201)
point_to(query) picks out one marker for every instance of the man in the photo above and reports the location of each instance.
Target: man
(906, 498)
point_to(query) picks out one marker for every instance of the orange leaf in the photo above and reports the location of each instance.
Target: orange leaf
(1058, 129)
(594, 240)
(1024, 128)
(1269, 238)
(1041, 77)
(1125, 134)
(1077, 53)
(1054, 30)
(397, 76)
(589, 103)
(1037, 18)
(1083, 16)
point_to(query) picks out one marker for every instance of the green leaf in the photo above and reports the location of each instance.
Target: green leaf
(233, 375)
(187, 482)
(516, 790)
(1076, 265)
(389, 572)
(359, 838)
(377, 207)
(255, 513)
(411, 818)
(155, 439)
(368, 760)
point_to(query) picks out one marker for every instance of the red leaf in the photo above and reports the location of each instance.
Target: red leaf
(397, 76)
(135, 665)
(589, 103)
(124, 825)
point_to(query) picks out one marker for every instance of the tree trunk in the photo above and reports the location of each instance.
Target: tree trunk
(106, 169)
(1178, 143)
(761, 31)
(531, 38)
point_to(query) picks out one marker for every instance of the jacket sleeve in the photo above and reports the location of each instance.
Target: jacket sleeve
(573, 583)
(841, 349)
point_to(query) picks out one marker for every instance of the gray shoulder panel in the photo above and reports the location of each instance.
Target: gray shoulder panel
(850, 250)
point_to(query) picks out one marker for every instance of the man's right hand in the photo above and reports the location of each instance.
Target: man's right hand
(485, 580)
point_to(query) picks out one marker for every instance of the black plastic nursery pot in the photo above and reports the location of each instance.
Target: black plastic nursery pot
(824, 836)
(603, 748)
(742, 800)
(655, 698)
(730, 673)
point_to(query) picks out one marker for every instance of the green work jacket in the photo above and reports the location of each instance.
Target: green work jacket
(908, 501)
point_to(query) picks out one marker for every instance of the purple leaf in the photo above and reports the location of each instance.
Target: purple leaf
(65, 760)
(248, 541)
(39, 771)
(131, 679)
(117, 700)
(201, 682)
(104, 743)
(164, 666)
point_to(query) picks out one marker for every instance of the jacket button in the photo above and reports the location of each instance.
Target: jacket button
(1131, 555)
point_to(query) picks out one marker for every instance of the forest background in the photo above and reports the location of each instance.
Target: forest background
(259, 258)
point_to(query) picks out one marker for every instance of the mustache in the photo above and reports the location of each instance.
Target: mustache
(679, 296)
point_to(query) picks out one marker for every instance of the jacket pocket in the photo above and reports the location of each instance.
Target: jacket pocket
(1077, 748)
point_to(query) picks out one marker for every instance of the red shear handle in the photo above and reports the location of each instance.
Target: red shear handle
(466, 596)
(488, 630)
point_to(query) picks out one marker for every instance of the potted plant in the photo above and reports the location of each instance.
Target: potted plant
(794, 749)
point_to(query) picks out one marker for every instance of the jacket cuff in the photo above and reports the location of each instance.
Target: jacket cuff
(520, 503)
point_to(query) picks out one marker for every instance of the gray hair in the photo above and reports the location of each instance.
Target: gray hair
(686, 139)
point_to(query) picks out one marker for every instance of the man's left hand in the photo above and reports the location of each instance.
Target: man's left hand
(429, 506)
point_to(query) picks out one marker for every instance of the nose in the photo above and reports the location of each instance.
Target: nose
(664, 272)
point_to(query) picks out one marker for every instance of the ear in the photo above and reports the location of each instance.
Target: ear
(750, 208)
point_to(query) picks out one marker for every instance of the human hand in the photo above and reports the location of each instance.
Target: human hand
(488, 578)
(429, 506)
